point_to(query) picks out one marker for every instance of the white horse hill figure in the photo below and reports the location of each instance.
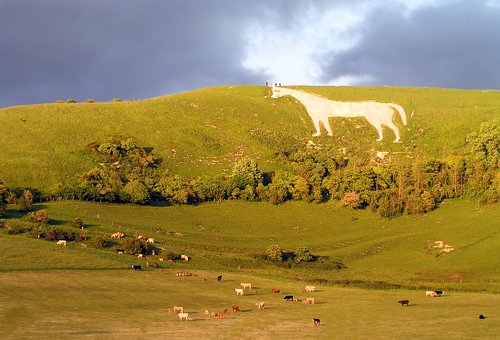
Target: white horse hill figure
(320, 109)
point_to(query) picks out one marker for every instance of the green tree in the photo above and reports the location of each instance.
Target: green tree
(246, 172)
(352, 200)
(133, 246)
(40, 216)
(136, 192)
(484, 145)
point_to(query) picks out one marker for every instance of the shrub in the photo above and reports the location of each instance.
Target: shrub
(70, 101)
(102, 242)
(117, 99)
(133, 246)
(169, 255)
(55, 233)
(136, 192)
(25, 202)
(90, 100)
(78, 223)
(352, 199)
(303, 254)
(274, 253)
(40, 216)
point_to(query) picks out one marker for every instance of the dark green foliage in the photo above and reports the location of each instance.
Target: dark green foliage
(484, 145)
(136, 192)
(101, 242)
(246, 173)
(55, 233)
(133, 246)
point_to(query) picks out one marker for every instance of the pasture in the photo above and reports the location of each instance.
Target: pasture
(120, 304)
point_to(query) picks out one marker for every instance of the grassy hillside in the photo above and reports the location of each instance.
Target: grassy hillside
(206, 131)
(371, 251)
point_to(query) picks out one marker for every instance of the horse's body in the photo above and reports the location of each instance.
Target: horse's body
(320, 109)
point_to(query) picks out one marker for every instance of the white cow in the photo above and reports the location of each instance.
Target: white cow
(184, 257)
(61, 243)
(239, 291)
(183, 316)
(246, 285)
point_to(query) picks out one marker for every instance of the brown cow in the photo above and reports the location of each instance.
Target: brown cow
(236, 308)
(404, 302)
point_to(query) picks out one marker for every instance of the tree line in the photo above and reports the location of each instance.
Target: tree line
(132, 174)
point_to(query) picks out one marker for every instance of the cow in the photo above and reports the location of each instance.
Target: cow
(61, 243)
(288, 298)
(219, 278)
(308, 301)
(136, 267)
(316, 322)
(120, 251)
(183, 316)
(140, 255)
(224, 314)
(177, 309)
(117, 235)
(275, 290)
(310, 289)
(404, 302)
(151, 240)
(239, 291)
(147, 264)
(236, 308)
(246, 285)
(260, 305)
(82, 237)
(481, 316)
(184, 257)
(156, 265)
(439, 292)
(215, 315)
(430, 293)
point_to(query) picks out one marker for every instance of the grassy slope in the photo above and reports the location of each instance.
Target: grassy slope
(227, 235)
(42, 145)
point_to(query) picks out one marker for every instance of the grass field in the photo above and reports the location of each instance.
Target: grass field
(43, 145)
(134, 305)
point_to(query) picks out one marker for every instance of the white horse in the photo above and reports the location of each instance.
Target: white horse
(320, 109)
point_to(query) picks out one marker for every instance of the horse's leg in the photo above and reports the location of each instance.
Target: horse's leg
(394, 128)
(377, 125)
(327, 126)
(317, 126)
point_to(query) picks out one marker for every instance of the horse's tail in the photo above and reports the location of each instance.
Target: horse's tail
(401, 111)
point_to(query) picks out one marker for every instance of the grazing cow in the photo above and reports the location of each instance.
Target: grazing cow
(156, 265)
(236, 308)
(275, 290)
(161, 259)
(82, 237)
(177, 309)
(140, 255)
(439, 292)
(184, 257)
(246, 285)
(239, 291)
(117, 235)
(310, 289)
(260, 305)
(316, 322)
(215, 315)
(136, 267)
(288, 298)
(183, 316)
(219, 278)
(150, 240)
(308, 301)
(180, 272)
(120, 251)
(61, 243)
(481, 316)
(224, 314)
(430, 293)
(404, 302)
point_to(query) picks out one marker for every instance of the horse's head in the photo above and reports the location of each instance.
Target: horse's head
(276, 92)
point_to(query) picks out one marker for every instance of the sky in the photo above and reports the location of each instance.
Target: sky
(130, 49)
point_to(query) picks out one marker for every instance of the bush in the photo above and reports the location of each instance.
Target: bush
(54, 234)
(136, 192)
(352, 199)
(102, 242)
(133, 246)
(117, 99)
(303, 254)
(274, 253)
(25, 202)
(78, 223)
(70, 101)
(40, 216)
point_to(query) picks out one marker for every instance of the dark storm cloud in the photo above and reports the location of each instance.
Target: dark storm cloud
(455, 45)
(103, 49)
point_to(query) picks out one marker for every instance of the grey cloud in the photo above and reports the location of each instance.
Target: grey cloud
(103, 49)
(454, 45)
